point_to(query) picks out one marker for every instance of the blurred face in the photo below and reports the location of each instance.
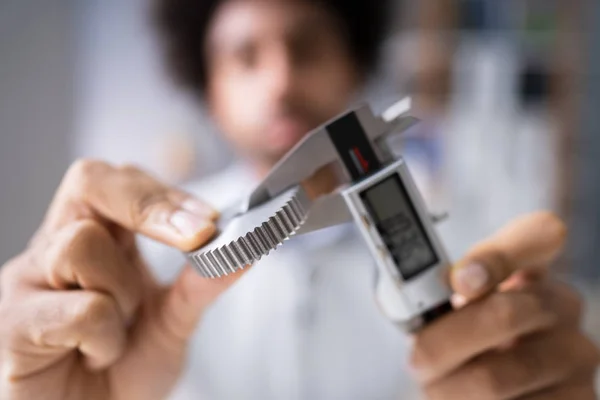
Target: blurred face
(277, 69)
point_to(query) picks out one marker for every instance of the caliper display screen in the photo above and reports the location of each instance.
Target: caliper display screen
(399, 225)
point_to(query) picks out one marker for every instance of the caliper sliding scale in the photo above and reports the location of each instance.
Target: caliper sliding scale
(344, 170)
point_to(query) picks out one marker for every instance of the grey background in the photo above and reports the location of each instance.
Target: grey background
(37, 63)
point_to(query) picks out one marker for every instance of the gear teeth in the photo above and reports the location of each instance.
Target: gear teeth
(276, 229)
(250, 248)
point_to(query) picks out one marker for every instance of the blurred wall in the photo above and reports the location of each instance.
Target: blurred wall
(36, 97)
(127, 108)
(586, 206)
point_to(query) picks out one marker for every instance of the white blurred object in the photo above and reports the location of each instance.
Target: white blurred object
(499, 161)
(397, 109)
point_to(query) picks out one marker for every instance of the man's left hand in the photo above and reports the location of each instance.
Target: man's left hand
(516, 334)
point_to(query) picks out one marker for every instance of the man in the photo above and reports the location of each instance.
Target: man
(83, 318)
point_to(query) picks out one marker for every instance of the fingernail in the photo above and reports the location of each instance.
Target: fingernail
(459, 301)
(189, 224)
(471, 278)
(200, 208)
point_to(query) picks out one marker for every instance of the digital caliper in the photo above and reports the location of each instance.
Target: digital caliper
(343, 171)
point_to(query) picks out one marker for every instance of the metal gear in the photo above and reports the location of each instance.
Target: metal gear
(245, 238)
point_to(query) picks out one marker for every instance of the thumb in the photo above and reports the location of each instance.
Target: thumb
(528, 243)
(185, 301)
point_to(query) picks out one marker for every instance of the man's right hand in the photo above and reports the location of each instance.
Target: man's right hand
(81, 316)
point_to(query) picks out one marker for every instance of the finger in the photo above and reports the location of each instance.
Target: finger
(562, 299)
(528, 242)
(58, 322)
(537, 363)
(83, 255)
(133, 200)
(556, 295)
(457, 338)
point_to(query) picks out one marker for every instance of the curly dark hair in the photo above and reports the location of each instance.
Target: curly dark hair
(183, 25)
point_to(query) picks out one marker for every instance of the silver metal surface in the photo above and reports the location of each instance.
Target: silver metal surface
(401, 299)
(245, 238)
(316, 150)
(271, 214)
(326, 211)
(439, 217)
(321, 197)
